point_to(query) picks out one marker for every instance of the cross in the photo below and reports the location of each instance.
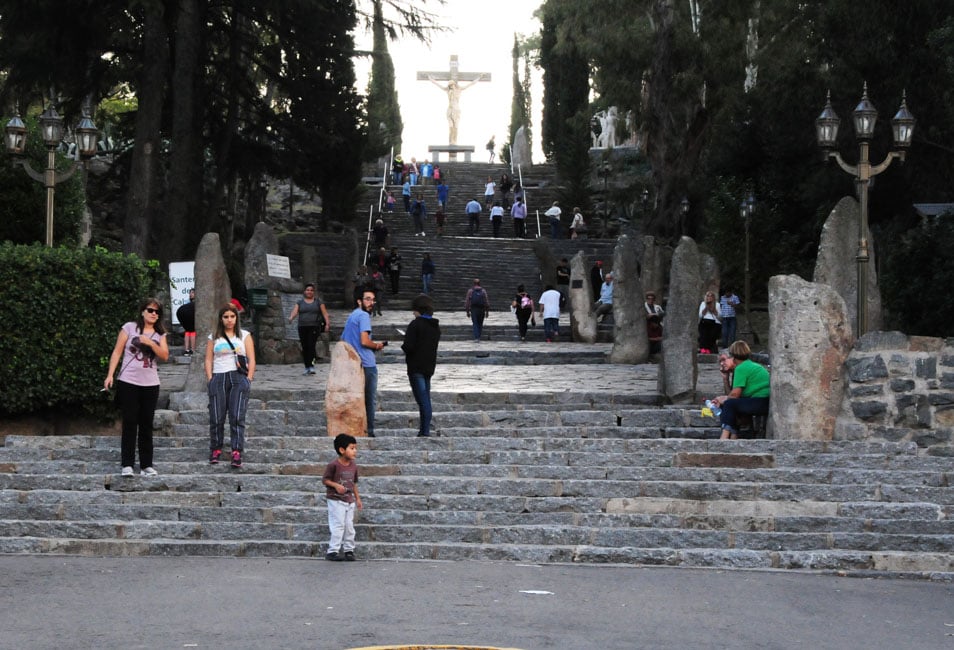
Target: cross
(454, 87)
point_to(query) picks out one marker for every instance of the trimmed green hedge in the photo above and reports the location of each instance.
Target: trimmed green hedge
(60, 312)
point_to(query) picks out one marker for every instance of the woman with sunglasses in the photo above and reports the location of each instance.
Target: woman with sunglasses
(139, 346)
(229, 383)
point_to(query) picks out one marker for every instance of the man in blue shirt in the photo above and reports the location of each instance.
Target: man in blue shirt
(727, 306)
(357, 333)
(442, 191)
(406, 195)
(605, 304)
(473, 213)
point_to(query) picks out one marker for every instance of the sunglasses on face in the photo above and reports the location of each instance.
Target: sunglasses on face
(152, 310)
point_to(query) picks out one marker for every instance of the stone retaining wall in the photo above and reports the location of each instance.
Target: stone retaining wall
(900, 388)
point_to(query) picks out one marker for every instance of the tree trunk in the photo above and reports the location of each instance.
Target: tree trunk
(186, 168)
(224, 170)
(678, 126)
(143, 173)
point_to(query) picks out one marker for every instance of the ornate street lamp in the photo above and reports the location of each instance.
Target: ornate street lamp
(51, 129)
(864, 117)
(16, 136)
(747, 210)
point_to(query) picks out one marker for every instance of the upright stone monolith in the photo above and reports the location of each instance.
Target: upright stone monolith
(212, 291)
(309, 267)
(521, 150)
(630, 344)
(309, 273)
(678, 369)
(709, 270)
(656, 260)
(582, 319)
(810, 337)
(344, 393)
(546, 259)
(271, 346)
(836, 262)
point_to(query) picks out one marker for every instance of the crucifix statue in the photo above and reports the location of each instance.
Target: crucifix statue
(454, 87)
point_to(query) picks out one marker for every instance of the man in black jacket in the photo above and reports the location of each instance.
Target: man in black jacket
(420, 349)
(186, 317)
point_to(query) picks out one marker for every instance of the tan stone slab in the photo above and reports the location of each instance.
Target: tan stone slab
(303, 469)
(344, 393)
(381, 470)
(904, 561)
(652, 506)
(744, 461)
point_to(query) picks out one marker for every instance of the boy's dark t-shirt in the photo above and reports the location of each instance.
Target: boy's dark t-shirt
(346, 475)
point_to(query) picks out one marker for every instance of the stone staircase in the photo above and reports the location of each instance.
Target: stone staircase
(571, 475)
(501, 263)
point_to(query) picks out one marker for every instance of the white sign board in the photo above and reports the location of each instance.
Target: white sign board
(278, 266)
(181, 280)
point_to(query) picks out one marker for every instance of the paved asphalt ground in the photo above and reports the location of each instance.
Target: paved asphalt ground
(60, 602)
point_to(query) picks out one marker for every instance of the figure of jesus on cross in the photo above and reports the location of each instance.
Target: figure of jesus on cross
(454, 87)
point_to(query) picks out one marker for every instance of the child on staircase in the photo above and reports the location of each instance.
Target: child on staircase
(341, 479)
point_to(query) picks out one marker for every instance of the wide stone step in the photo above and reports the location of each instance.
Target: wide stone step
(696, 490)
(621, 537)
(407, 428)
(620, 416)
(550, 535)
(642, 451)
(305, 478)
(496, 465)
(765, 516)
(915, 564)
(494, 509)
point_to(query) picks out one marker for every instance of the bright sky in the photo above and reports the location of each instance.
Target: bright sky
(481, 35)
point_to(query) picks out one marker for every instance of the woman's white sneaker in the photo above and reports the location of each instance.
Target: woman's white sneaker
(149, 471)
(127, 471)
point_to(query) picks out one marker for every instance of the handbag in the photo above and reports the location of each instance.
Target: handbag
(241, 361)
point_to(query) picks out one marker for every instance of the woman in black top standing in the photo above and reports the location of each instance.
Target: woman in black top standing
(312, 321)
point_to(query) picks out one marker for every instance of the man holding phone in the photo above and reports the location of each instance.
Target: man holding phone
(357, 333)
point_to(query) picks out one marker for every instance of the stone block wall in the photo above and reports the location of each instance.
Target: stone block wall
(900, 388)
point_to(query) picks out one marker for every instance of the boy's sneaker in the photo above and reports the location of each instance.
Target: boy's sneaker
(236, 458)
(349, 556)
(214, 456)
(128, 471)
(334, 557)
(149, 471)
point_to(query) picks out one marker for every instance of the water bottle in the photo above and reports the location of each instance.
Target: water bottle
(716, 411)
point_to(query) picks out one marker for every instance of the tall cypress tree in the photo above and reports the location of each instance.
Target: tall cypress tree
(566, 121)
(385, 126)
(520, 104)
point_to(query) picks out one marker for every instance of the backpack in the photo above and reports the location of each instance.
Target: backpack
(526, 302)
(478, 297)
(416, 209)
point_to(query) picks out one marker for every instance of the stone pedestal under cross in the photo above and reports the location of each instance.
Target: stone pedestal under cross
(454, 78)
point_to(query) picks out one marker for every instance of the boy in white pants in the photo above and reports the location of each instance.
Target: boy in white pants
(341, 479)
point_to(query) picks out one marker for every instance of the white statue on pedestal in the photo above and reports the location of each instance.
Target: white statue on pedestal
(608, 121)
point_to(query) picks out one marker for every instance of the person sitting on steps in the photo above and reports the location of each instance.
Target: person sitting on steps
(750, 389)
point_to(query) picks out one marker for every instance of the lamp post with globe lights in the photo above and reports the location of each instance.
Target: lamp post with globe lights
(51, 129)
(747, 210)
(864, 117)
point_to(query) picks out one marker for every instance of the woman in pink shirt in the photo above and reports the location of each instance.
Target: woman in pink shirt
(140, 345)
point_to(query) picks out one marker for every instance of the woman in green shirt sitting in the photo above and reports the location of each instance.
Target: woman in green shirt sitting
(750, 390)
